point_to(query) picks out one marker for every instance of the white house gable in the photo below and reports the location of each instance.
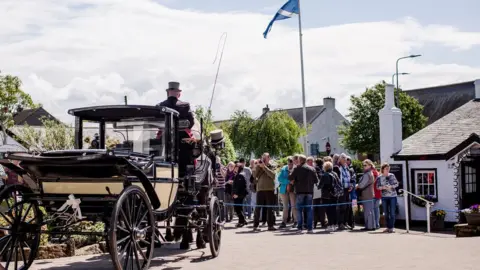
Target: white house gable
(11, 145)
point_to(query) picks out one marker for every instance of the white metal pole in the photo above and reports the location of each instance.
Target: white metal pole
(407, 218)
(305, 148)
(428, 217)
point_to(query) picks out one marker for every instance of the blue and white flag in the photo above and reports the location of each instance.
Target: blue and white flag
(285, 12)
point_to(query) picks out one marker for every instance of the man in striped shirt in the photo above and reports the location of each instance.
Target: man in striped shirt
(220, 172)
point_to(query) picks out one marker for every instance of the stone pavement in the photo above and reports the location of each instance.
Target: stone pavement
(246, 250)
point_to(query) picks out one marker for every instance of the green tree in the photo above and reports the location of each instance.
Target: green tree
(54, 136)
(12, 100)
(228, 153)
(362, 134)
(276, 133)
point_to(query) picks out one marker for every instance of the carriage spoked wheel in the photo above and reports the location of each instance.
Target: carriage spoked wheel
(214, 226)
(131, 233)
(20, 228)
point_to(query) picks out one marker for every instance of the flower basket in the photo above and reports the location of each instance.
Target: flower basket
(472, 215)
(437, 223)
(437, 220)
(473, 219)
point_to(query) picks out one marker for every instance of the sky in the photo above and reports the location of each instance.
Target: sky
(76, 53)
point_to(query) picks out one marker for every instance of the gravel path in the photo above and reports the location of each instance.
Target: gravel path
(245, 250)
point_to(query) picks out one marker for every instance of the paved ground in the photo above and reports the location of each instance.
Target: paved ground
(243, 249)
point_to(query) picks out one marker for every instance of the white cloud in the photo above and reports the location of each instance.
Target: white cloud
(78, 53)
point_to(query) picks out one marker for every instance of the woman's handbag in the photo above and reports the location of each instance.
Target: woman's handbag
(290, 188)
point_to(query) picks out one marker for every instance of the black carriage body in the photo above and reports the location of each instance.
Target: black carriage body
(98, 176)
(105, 183)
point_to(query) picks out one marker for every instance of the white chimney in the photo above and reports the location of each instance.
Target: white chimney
(477, 89)
(390, 126)
(329, 103)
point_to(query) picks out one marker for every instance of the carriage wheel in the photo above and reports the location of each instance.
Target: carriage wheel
(214, 226)
(20, 228)
(131, 233)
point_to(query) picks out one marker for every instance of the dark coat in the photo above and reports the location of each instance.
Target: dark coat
(239, 186)
(326, 184)
(304, 177)
(182, 107)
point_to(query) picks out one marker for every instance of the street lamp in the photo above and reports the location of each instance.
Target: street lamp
(396, 70)
(395, 74)
(405, 57)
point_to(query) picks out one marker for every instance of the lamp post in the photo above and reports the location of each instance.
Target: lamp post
(405, 57)
(395, 74)
(396, 69)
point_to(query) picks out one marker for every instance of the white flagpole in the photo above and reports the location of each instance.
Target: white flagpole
(305, 148)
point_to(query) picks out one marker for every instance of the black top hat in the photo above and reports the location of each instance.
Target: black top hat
(173, 86)
(216, 136)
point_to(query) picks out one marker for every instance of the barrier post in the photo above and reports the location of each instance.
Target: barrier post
(407, 218)
(428, 216)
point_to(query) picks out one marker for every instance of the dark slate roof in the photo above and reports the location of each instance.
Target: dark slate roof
(444, 134)
(296, 113)
(441, 100)
(32, 117)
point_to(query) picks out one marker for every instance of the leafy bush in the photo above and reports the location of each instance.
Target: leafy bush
(282, 162)
(54, 136)
(357, 165)
(87, 226)
(228, 153)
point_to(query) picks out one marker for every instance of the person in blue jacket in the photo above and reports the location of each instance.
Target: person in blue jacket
(286, 195)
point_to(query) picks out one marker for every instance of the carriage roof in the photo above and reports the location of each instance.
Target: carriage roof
(112, 113)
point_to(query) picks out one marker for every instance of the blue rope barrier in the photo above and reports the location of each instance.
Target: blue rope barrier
(447, 210)
(276, 206)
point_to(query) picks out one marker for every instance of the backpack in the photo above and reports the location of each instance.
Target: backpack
(337, 186)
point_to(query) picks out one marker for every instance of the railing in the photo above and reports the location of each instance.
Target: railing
(427, 207)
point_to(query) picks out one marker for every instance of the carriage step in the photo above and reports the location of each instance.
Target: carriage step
(186, 207)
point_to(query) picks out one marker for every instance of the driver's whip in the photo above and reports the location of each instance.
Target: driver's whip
(219, 63)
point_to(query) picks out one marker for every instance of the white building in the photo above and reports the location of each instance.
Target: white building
(439, 161)
(324, 121)
(30, 117)
(10, 144)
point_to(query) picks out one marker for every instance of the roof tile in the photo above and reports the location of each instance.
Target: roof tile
(446, 133)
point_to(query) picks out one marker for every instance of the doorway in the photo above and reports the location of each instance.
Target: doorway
(470, 182)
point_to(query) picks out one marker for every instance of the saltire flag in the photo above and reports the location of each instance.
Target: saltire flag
(285, 12)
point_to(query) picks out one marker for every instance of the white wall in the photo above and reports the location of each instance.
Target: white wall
(445, 177)
(326, 126)
(11, 145)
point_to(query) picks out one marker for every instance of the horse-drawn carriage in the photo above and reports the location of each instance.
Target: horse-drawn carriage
(131, 187)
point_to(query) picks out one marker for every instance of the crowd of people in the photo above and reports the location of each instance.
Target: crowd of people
(312, 192)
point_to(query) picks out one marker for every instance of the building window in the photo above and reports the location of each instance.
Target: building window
(425, 182)
(470, 179)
